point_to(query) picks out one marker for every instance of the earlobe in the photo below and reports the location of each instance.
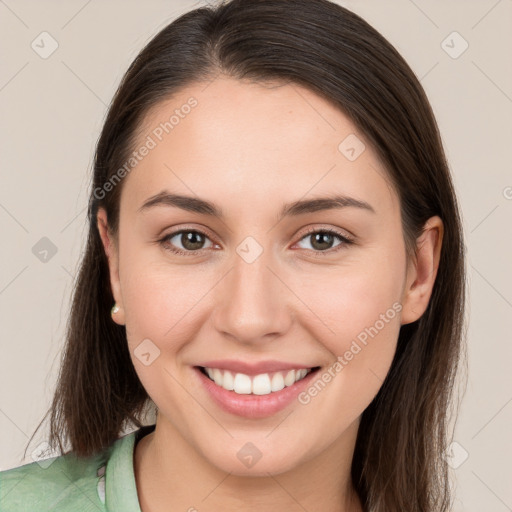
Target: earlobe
(422, 272)
(112, 256)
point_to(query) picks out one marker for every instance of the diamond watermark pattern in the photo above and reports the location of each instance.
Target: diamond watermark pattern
(351, 147)
(44, 250)
(43, 455)
(249, 455)
(456, 455)
(454, 45)
(146, 352)
(249, 249)
(44, 45)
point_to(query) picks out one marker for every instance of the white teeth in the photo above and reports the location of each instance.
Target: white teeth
(290, 378)
(300, 374)
(242, 384)
(262, 384)
(217, 376)
(228, 382)
(277, 382)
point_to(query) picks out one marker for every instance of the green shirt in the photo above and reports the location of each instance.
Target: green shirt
(104, 482)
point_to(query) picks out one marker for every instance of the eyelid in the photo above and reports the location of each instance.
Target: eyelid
(329, 229)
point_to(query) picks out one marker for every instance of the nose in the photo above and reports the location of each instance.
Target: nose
(252, 301)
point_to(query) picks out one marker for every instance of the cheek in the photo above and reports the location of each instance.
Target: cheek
(347, 300)
(366, 324)
(164, 304)
(357, 319)
(163, 313)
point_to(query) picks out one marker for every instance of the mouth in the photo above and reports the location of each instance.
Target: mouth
(253, 389)
(270, 383)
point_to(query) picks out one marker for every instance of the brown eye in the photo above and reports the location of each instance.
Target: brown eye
(185, 241)
(323, 240)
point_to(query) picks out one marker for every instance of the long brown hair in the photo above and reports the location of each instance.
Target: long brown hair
(399, 461)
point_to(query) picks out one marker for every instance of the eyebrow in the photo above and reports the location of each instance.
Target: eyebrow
(201, 206)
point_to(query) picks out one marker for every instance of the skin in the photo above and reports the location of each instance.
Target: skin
(250, 148)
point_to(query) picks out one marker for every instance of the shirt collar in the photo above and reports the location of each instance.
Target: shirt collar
(120, 486)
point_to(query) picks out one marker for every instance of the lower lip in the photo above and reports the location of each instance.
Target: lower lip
(253, 406)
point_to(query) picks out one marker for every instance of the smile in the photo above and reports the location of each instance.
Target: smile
(258, 396)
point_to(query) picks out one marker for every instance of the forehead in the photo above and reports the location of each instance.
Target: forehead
(253, 144)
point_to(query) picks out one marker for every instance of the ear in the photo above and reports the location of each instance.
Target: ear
(112, 253)
(422, 271)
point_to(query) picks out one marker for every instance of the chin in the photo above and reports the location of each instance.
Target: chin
(246, 459)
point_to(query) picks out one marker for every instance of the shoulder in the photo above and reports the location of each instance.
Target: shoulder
(59, 484)
(67, 483)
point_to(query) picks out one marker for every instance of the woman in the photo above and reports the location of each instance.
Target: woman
(273, 217)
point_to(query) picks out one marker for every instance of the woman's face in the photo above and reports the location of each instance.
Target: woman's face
(259, 282)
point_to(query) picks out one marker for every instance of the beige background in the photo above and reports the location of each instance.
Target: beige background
(52, 111)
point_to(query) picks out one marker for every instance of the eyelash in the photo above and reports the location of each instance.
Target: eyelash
(345, 241)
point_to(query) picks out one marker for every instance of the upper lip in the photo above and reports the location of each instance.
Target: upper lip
(253, 368)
